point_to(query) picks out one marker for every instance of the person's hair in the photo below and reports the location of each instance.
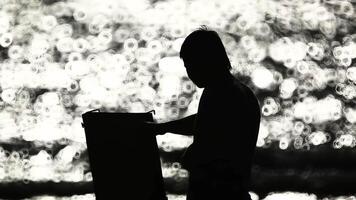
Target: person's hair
(206, 43)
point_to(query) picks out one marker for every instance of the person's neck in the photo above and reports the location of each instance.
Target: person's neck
(222, 81)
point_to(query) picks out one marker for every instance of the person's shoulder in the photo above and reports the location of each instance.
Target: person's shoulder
(246, 90)
(241, 87)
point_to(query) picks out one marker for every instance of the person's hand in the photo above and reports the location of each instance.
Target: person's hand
(154, 128)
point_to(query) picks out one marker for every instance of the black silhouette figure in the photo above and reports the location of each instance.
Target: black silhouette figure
(124, 159)
(225, 127)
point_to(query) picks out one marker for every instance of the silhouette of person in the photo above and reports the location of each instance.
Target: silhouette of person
(225, 128)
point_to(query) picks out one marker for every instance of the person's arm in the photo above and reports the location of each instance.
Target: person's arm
(184, 126)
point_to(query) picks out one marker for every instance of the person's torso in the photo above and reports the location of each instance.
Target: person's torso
(227, 126)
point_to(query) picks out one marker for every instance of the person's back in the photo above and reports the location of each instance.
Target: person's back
(227, 126)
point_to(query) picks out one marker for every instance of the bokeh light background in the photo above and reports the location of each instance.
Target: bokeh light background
(61, 59)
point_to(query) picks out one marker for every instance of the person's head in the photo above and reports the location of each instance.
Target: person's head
(204, 57)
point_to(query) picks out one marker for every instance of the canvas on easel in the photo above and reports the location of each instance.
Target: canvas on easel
(124, 157)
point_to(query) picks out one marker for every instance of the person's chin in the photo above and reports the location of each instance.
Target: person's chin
(199, 85)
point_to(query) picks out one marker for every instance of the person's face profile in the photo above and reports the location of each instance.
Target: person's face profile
(195, 71)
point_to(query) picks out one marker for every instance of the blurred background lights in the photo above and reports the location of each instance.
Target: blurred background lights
(172, 65)
(287, 87)
(66, 57)
(290, 195)
(317, 138)
(262, 77)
